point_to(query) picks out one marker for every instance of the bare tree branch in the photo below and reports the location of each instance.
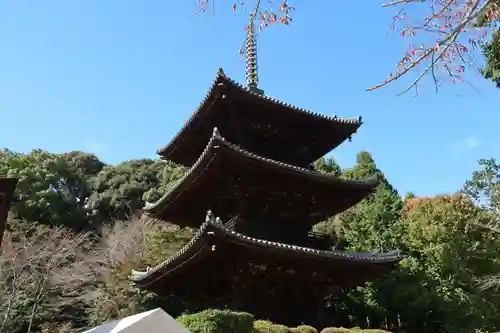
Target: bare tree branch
(397, 2)
(44, 265)
(447, 22)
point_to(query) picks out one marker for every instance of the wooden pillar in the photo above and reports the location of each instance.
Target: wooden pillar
(7, 187)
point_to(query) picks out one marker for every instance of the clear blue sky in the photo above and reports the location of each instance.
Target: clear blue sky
(119, 78)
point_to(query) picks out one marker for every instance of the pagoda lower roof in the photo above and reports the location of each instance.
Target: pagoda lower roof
(232, 181)
(7, 187)
(218, 258)
(259, 123)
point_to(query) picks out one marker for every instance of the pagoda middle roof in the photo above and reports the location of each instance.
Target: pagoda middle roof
(259, 123)
(216, 243)
(226, 176)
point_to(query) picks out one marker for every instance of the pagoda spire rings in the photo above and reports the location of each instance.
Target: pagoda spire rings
(250, 51)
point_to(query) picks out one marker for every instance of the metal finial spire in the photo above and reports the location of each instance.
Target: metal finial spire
(250, 49)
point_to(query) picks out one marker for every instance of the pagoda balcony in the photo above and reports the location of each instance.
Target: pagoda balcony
(293, 234)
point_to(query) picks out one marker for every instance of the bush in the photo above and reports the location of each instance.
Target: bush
(304, 329)
(352, 330)
(262, 326)
(218, 321)
(265, 326)
(336, 330)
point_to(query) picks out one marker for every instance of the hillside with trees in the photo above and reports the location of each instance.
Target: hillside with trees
(74, 234)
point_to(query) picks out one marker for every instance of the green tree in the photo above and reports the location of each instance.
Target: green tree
(484, 185)
(484, 189)
(328, 165)
(171, 174)
(373, 223)
(333, 226)
(492, 56)
(122, 189)
(52, 188)
(370, 225)
(435, 289)
(448, 254)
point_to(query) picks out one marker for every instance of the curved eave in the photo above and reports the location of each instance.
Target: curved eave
(217, 141)
(210, 229)
(222, 78)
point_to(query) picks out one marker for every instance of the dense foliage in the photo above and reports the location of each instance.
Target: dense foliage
(492, 55)
(72, 225)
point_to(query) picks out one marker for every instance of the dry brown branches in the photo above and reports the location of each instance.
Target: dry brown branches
(443, 38)
(125, 240)
(45, 266)
(278, 12)
(55, 268)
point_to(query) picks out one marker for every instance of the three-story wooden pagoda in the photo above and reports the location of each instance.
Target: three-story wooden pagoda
(250, 161)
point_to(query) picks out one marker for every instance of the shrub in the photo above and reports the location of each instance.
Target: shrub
(351, 330)
(336, 330)
(277, 328)
(218, 321)
(265, 326)
(262, 326)
(304, 329)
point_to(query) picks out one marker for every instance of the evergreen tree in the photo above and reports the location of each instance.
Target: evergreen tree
(333, 226)
(492, 56)
(373, 223)
(53, 188)
(328, 165)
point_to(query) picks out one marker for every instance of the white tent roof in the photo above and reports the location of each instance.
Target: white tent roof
(154, 321)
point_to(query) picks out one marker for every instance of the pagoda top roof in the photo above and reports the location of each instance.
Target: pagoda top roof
(318, 132)
(213, 232)
(221, 164)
